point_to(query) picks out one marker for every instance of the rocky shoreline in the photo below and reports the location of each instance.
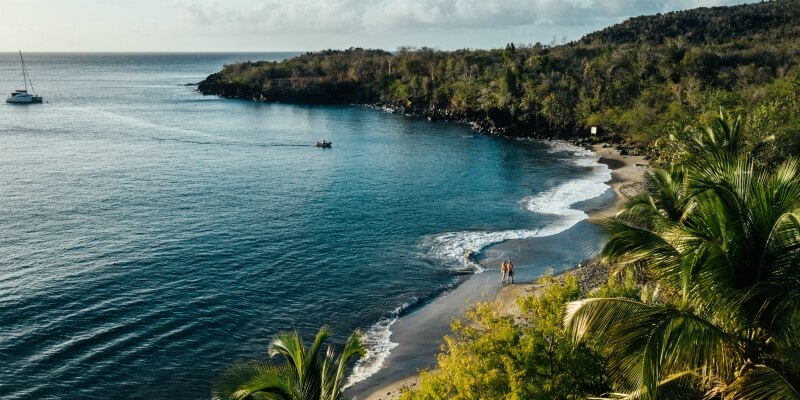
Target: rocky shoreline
(496, 121)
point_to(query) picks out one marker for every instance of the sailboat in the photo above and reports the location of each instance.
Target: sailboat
(21, 96)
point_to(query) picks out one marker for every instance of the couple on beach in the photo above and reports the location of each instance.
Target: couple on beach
(507, 269)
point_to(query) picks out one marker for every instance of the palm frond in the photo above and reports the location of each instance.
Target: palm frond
(631, 243)
(719, 138)
(306, 375)
(761, 383)
(291, 347)
(327, 384)
(725, 232)
(670, 186)
(649, 342)
(352, 348)
(244, 379)
(678, 386)
(322, 335)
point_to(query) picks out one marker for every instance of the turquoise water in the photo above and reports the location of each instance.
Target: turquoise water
(150, 236)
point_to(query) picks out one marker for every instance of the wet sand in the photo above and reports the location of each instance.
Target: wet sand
(420, 333)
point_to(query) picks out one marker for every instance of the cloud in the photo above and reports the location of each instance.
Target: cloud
(466, 14)
(354, 16)
(278, 16)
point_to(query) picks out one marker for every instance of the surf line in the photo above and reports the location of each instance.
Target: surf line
(458, 249)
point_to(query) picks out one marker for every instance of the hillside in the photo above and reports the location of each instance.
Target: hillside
(717, 25)
(639, 79)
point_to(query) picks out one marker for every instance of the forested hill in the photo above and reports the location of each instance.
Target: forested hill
(764, 21)
(640, 79)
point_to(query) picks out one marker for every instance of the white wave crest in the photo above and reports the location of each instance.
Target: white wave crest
(456, 248)
(560, 146)
(560, 199)
(377, 341)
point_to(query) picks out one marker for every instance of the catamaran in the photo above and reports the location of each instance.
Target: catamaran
(21, 96)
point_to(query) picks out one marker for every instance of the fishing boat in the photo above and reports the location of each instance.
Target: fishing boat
(324, 143)
(21, 96)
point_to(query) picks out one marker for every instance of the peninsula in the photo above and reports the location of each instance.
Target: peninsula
(636, 81)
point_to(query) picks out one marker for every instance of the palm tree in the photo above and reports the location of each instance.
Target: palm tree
(723, 237)
(721, 137)
(306, 375)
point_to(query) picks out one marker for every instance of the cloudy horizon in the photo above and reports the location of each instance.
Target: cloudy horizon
(270, 25)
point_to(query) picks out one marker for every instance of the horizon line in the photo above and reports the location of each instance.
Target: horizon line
(278, 51)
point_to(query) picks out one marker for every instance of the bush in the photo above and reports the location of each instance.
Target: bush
(492, 356)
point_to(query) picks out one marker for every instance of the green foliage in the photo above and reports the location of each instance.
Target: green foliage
(306, 373)
(722, 233)
(545, 310)
(492, 356)
(775, 20)
(627, 289)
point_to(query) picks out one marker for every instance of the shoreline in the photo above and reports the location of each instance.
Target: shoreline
(627, 180)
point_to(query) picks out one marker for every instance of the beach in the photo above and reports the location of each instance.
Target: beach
(627, 178)
(424, 328)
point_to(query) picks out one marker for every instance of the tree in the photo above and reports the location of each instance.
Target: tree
(493, 356)
(722, 236)
(306, 374)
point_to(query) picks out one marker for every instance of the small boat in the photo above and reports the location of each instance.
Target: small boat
(21, 96)
(324, 143)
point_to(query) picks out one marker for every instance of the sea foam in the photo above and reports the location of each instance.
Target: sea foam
(560, 199)
(377, 340)
(455, 249)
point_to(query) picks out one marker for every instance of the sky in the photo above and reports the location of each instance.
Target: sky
(294, 25)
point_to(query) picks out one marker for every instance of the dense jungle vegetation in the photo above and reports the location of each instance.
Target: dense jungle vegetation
(640, 79)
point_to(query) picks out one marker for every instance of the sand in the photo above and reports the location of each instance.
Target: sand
(395, 389)
(627, 180)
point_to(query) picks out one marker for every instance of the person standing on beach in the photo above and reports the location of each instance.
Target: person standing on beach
(503, 270)
(510, 269)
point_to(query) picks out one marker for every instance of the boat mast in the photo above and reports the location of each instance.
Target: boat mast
(25, 77)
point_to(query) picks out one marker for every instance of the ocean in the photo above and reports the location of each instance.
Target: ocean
(151, 236)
